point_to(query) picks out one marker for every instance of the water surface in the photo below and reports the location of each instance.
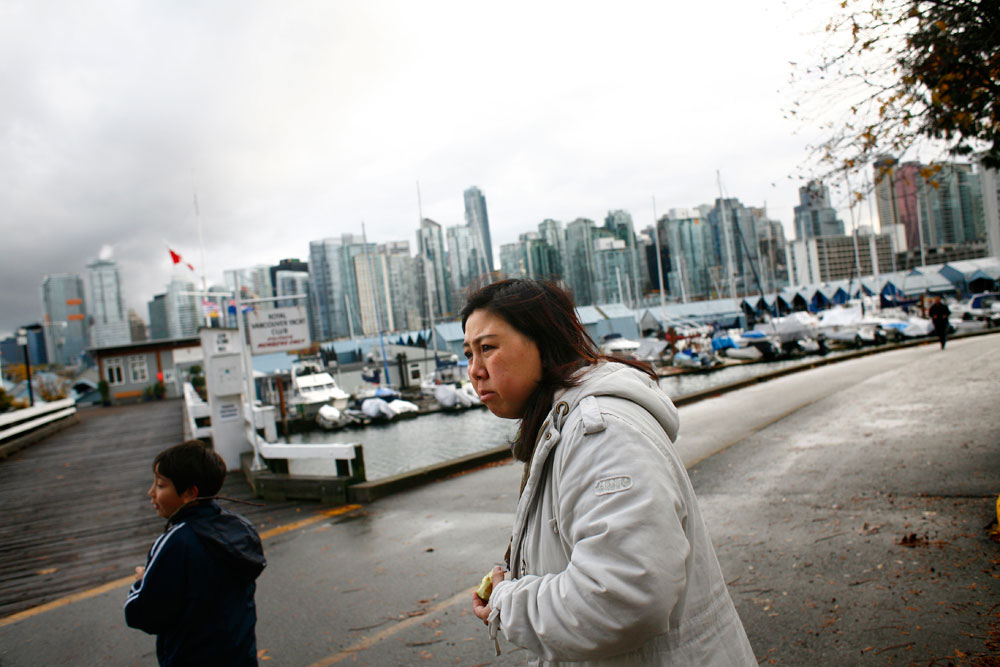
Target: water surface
(395, 448)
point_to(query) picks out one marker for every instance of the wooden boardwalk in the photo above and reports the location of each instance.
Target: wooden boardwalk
(73, 508)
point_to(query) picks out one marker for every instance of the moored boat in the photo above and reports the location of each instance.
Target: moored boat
(312, 387)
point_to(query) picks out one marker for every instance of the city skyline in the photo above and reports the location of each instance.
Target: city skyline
(258, 279)
(122, 115)
(180, 272)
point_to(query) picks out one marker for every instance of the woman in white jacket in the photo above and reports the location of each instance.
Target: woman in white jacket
(610, 562)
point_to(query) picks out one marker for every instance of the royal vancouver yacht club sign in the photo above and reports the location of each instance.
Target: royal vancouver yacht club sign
(278, 329)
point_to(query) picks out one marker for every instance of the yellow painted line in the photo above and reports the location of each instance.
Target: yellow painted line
(69, 599)
(308, 521)
(368, 642)
(127, 581)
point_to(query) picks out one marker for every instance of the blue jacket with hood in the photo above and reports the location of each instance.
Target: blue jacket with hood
(197, 593)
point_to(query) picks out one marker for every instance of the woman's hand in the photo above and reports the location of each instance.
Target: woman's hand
(480, 607)
(139, 571)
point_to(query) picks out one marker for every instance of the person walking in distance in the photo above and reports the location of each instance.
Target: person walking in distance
(940, 313)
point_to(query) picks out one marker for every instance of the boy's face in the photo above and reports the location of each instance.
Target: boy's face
(165, 498)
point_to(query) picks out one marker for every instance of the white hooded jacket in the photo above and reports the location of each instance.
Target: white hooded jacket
(611, 563)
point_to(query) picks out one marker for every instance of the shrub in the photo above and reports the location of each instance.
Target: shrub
(105, 391)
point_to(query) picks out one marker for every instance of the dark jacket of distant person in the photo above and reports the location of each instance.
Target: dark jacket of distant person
(939, 312)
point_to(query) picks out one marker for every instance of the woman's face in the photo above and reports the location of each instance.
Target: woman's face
(505, 366)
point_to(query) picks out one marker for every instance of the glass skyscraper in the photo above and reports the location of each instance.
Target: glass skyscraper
(691, 254)
(434, 264)
(579, 269)
(814, 216)
(462, 262)
(66, 334)
(327, 292)
(106, 305)
(183, 311)
(950, 206)
(612, 261)
(479, 223)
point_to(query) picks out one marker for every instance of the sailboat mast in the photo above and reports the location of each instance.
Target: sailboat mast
(350, 321)
(201, 241)
(729, 249)
(854, 236)
(378, 315)
(659, 259)
(427, 286)
(873, 249)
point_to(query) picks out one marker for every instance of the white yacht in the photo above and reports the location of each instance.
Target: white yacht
(615, 345)
(312, 388)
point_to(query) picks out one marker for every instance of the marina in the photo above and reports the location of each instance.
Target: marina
(393, 448)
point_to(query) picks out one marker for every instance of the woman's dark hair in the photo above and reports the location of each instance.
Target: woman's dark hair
(189, 464)
(544, 312)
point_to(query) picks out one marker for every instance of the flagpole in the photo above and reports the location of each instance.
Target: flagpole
(201, 241)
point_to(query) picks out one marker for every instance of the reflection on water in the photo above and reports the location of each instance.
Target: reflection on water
(395, 448)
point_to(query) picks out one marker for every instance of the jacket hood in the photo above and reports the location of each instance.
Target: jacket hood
(230, 538)
(607, 379)
(621, 381)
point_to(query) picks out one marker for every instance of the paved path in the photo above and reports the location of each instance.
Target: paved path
(849, 506)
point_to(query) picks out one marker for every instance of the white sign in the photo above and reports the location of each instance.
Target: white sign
(226, 342)
(278, 330)
(189, 355)
(229, 412)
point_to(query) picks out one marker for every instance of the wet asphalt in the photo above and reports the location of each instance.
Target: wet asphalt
(850, 506)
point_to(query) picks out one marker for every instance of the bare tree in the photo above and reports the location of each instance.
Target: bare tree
(896, 76)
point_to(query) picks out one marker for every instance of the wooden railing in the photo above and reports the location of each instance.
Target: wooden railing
(195, 409)
(263, 419)
(15, 425)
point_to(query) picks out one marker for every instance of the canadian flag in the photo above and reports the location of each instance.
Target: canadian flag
(178, 259)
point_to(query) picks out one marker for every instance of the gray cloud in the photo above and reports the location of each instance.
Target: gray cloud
(296, 121)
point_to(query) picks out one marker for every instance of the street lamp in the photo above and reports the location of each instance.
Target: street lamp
(22, 340)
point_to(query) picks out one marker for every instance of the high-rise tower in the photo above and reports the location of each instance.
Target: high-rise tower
(433, 281)
(814, 216)
(479, 223)
(66, 334)
(107, 304)
(885, 196)
(462, 262)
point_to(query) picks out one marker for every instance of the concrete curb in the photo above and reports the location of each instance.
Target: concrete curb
(816, 362)
(367, 492)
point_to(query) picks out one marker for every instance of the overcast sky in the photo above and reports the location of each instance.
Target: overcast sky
(295, 121)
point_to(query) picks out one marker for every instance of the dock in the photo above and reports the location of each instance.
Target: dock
(74, 507)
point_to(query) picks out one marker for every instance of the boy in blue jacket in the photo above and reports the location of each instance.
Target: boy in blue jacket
(196, 592)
